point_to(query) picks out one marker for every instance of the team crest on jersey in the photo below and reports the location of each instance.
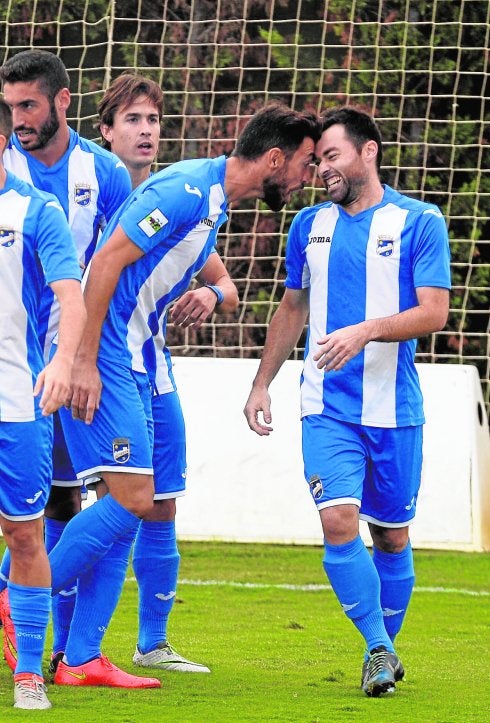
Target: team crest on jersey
(384, 245)
(7, 237)
(121, 450)
(83, 194)
(153, 222)
(316, 487)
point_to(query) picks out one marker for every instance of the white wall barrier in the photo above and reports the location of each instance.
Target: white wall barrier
(242, 487)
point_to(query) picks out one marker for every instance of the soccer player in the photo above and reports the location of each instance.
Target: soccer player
(370, 271)
(130, 116)
(36, 249)
(90, 184)
(161, 237)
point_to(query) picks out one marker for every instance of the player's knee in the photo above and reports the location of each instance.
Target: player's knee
(389, 539)
(23, 540)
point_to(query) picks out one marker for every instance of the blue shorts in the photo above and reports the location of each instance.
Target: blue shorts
(63, 472)
(120, 437)
(378, 469)
(25, 468)
(169, 452)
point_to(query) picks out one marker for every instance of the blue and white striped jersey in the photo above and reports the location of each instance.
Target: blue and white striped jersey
(364, 267)
(36, 248)
(174, 217)
(90, 184)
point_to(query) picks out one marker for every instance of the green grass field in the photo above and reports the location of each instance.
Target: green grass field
(280, 648)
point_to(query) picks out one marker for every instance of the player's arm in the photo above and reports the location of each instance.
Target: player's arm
(216, 293)
(55, 379)
(103, 275)
(430, 315)
(284, 331)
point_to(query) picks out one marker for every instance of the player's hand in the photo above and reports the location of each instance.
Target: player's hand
(193, 307)
(259, 401)
(54, 383)
(339, 347)
(86, 391)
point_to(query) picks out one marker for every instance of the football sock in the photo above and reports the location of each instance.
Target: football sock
(29, 608)
(397, 577)
(99, 590)
(4, 569)
(87, 538)
(156, 565)
(63, 603)
(355, 581)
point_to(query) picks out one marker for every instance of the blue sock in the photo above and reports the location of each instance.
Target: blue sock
(4, 569)
(156, 566)
(87, 538)
(354, 579)
(99, 590)
(397, 578)
(63, 603)
(29, 608)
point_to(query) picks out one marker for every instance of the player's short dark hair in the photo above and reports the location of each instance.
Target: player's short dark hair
(40, 65)
(276, 126)
(121, 93)
(359, 127)
(6, 123)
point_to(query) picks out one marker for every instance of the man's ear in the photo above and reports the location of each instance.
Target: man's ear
(106, 132)
(370, 150)
(63, 100)
(276, 158)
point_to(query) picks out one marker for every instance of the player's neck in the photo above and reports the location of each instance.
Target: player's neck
(55, 149)
(3, 177)
(138, 175)
(372, 194)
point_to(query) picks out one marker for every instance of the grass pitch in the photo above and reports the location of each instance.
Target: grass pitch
(280, 649)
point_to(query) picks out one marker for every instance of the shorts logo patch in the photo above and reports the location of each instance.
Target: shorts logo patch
(83, 194)
(121, 450)
(316, 487)
(384, 246)
(153, 222)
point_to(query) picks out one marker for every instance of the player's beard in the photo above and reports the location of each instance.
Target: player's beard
(46, 132)
(273, 194)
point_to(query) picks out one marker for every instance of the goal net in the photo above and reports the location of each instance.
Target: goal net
(419, 66)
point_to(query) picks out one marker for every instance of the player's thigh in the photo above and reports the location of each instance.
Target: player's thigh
(169, 448)
(393, 479)
(334, 457)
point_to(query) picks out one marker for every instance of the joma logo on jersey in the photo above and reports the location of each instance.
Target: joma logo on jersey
(83, 194)
(7, 237)
(208, 222)
(319, 240)
(121, 450)
(384, 245)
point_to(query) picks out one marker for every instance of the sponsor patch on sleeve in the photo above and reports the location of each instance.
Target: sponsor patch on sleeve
(153, 222)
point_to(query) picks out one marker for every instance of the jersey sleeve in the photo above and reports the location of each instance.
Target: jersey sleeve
(55, 245)
(164, 212)
(116, 188)
(296, 267)
(431, 255)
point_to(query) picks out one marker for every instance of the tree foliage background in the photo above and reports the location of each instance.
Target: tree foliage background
(419, 66)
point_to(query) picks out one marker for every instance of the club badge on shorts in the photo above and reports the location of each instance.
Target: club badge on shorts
(316, 487)
(121, 450)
